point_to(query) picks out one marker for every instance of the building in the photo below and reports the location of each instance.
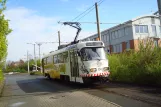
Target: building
(125, 36)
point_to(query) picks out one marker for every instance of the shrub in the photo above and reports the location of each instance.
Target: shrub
(1, 76)
(141, 67)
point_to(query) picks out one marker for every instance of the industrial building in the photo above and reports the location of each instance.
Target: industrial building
(125, 36)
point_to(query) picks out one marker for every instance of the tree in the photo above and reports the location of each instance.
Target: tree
(4, 31)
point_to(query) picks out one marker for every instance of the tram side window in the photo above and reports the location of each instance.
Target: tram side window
(55, 59)
(49, 59)
(60, 58)
(65, 57)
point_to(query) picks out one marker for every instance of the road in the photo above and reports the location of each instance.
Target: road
(23, 90)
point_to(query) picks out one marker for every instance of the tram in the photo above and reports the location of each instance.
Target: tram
(83, 62)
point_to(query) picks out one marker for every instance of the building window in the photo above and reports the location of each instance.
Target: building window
(122, 32)
(114, 48)
(156, 43)
(153, 20)
(126, 31)
(128, 45)
(141, 29)
(119, 33)
(121, 47)
(107, 38)
(145, 29)
(113, 35)
(118, 48)
(137, 29)
(104, 40)
(102, 37)
(116, 34)
(153, 29)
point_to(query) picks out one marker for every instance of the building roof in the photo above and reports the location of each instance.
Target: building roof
(124, 23)
(140, 17)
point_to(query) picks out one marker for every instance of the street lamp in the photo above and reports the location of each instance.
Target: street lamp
(39, 44)
(34, 54)
(28, 61)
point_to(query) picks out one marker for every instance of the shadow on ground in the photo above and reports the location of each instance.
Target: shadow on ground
(46, 85)
(142, 88)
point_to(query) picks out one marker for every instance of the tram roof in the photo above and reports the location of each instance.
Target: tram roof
(77, 46)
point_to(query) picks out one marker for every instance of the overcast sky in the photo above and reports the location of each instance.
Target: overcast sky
(36, 21)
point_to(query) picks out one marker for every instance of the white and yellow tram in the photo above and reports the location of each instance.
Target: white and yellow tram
(83, 62)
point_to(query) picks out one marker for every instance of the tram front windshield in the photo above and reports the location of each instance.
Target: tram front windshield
(93, 53)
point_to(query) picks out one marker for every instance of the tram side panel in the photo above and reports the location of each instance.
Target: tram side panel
(64, 67)
(74, 67)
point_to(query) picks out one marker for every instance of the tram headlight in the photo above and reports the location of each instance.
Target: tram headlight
(93, 70)
(106, 68)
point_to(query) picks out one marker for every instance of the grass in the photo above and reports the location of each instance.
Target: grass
(36, 73)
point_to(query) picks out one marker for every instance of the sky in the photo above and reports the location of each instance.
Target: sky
(37, 21)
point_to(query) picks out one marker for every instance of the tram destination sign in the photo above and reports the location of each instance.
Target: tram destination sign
(94, 44)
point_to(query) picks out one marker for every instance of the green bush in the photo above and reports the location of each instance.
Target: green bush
(19, 70)
(141, 67)
(1, 75)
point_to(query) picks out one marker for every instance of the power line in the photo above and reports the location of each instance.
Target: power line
(83, 12)
(50, 42)
(88, 11)
(99, 3)
(86, 14)
(100, 23)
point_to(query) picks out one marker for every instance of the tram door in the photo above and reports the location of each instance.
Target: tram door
(74, 64)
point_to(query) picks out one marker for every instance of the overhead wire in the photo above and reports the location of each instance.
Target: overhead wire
(87, 11)
(83, 12)
(99, 23)
(90, 9)
(101, 1)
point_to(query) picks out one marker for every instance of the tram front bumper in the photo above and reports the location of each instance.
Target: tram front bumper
(102, 74)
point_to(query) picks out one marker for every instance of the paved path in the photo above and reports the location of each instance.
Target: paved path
(23, 90)
(143, 93)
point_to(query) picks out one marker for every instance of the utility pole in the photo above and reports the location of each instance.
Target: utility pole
(98, 24)
(34, 55)
(59, 37)
(39, 44)
(28, 62)
(159, 8)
